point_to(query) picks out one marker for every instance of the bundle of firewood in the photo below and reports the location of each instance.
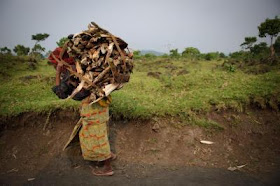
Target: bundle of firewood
(103, 61)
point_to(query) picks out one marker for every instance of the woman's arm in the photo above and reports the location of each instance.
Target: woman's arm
(58, 72)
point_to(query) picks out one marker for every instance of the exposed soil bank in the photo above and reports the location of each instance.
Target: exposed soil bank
(250, 139)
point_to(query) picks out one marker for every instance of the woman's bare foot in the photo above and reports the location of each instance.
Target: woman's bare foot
(97, 172)
(105, 171)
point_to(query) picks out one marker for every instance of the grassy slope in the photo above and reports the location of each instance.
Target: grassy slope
(205, 85)
(19, 94)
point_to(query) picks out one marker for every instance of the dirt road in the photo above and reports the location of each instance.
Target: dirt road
(130, 176)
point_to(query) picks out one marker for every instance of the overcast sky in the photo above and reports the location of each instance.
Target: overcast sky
(209, 25)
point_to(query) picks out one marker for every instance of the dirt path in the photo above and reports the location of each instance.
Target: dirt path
(167, 156)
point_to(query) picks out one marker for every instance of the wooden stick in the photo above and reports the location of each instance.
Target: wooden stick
(120, 51)
(101, 75)
(74, 133)
(111, 64)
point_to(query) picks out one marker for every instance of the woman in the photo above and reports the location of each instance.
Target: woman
(93, 132)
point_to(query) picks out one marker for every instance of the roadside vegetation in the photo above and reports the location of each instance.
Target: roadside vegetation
(181, 85)
(158, 87)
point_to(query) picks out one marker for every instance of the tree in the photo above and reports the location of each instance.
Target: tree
(259, 48)
(5, 50)
(37, 48)
(222, 55)
(271, 27)
(136, 54)
(21, 50)
(249, 41)
(40, 37)
(260, 51)
(212, 55)
(61, 42)
(240, 55)
(191, 52)
(174, 53)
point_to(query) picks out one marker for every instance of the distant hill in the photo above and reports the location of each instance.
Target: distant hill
(143, 52)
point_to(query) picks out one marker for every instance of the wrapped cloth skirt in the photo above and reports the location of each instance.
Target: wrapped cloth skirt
(93, 134)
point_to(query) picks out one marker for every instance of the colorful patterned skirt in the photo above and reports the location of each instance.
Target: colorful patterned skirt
(93, 133)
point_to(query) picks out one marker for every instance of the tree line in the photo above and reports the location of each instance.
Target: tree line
(35, 51)
(191, 53)
(250, 49)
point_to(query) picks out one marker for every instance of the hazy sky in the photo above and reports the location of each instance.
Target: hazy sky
(209, 25)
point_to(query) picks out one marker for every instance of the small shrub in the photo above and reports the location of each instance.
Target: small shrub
(230, 68)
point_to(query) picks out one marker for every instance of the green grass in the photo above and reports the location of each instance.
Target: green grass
(203, 86)
(18, 94)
